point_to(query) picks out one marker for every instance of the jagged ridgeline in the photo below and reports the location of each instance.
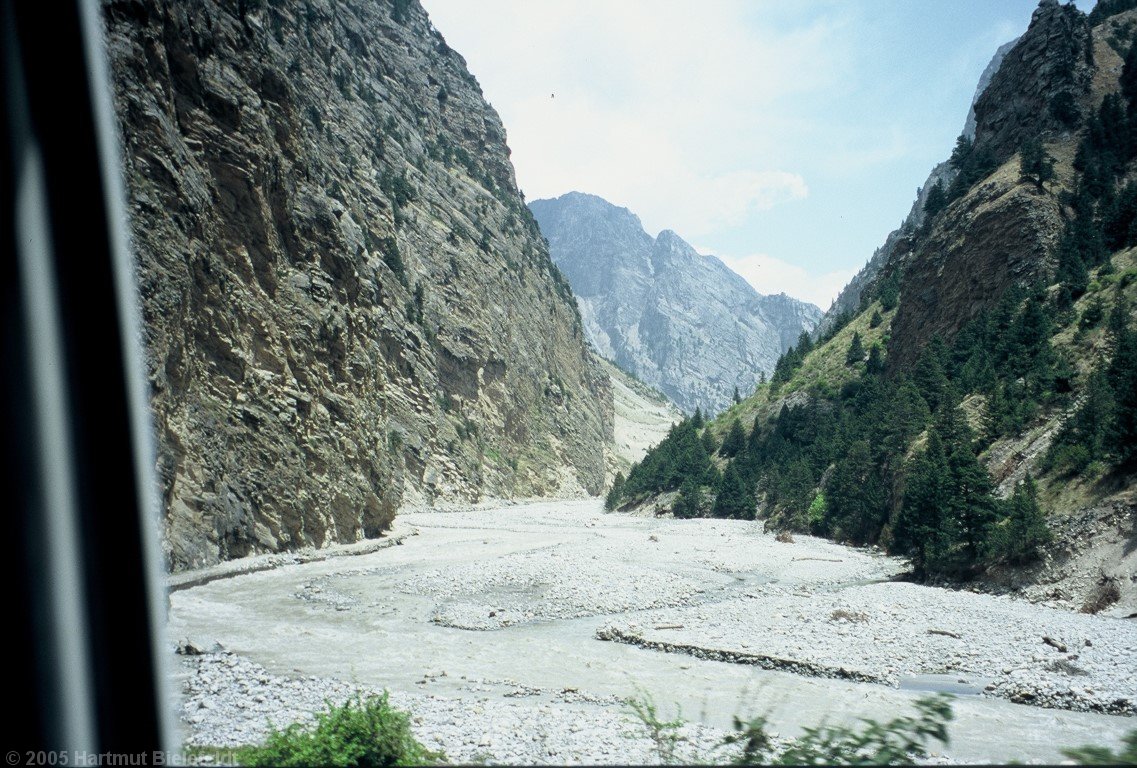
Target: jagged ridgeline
(348, 306)
(677, 320)
(986, 389)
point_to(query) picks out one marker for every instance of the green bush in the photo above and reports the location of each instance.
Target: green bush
(1095, 755)
(362, 732)
(896, 742)
(817, 512)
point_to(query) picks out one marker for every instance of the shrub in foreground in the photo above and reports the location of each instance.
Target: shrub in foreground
(362, 732)
(900, 741)
(1094, 755)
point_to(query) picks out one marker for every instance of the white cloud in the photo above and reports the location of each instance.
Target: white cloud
(770, 275)
(666, 106)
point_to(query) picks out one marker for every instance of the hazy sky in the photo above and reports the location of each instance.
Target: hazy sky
(786, 137)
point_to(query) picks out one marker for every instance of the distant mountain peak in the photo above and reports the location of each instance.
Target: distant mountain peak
(681, 321)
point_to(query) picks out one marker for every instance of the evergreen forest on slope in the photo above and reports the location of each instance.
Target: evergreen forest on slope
(841, 443)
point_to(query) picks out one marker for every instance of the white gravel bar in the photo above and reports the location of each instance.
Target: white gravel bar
(516, 635)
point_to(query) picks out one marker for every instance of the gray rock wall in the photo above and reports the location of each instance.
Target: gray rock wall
(679, 321)
(347, 305)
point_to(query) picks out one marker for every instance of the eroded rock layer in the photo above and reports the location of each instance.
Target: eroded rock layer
(347, 305)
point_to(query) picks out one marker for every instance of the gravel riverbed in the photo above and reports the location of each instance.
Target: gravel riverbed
(489, 626)
(229, 701)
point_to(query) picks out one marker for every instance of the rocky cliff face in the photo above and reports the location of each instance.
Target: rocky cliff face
(347, 305)
(679, 321)
(849, 300)
(1052, 61)
(1002, 231)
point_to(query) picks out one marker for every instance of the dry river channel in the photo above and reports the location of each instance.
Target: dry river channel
(517, 633)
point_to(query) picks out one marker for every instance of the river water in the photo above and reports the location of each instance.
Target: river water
(504, 604)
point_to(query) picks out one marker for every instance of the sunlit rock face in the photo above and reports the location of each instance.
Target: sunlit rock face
(347, 305)
(680, 321)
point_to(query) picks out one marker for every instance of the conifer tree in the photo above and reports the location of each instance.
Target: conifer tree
(1092, 314)
(708, 441)
(922, 529)
(890, 293)
(1017, 539)
(875, 363)
(930, 374)
(804, 344)
(971, 504)
(1035, 164)
(961, 152)
(612, 500)
(1122, 378)
(1086, 434)
(735, 440)
(936, 200)
(687, 503)
(1129, 76)
(907, 415)
(855, 496)
(856, 351)
(735, 498)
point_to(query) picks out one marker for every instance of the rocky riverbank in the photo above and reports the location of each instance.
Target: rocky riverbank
(491, 626)
(229, 701)
(907, 635)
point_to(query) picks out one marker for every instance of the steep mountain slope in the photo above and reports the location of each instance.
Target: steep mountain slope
(979, 413)
(681, 322)
(347, 305)
(848, 301)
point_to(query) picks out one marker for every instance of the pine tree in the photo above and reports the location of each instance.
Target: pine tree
(922, 530)
(907, 416)
(1019, 537)
(1129, 76)
(735, 440)
(697, 421)
(1092, 314)
(971, 504)
(804, 344)
(995, 415)
(687, 503)
(961, 152)
(936, 200)
(1035, 163)
(875, 363)
(612, 500)
(856, 351)
(948, 507)
(876, 319)
(736, 397)
(708, 441)
(735, 498)
(890, 293)
(930, 374)
(1084, 436)
(1122, 378)
(855, 496)
(754, 442)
